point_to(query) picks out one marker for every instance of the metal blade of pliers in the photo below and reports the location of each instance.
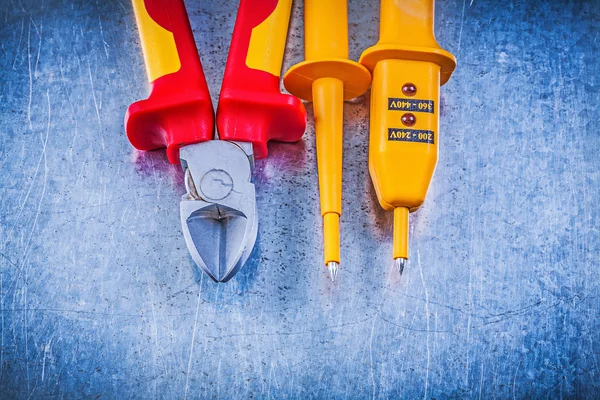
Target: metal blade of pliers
(218, 212)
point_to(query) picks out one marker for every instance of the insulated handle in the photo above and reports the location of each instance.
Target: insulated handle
(179, 110)
(408, 23)
(251, 106)
(406, 33)
(325, 29)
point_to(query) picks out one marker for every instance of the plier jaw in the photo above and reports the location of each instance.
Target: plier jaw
(218, 212)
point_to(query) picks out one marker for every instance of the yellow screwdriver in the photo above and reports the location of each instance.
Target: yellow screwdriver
(327, 78)
(408, 67)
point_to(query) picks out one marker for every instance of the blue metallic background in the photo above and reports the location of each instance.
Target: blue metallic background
(99, 298)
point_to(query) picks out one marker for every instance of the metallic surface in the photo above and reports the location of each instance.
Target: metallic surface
(218, 212)
(99, 297)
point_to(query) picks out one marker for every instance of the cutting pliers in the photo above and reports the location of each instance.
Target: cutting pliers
(218, 212)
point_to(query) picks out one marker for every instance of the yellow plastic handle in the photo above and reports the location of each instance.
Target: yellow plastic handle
(267, 40)
(407, 23)
(326, 29)
(158, 43)
(406, 33)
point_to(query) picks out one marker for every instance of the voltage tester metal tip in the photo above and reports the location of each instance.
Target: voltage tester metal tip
(218, 212)
(408, 67)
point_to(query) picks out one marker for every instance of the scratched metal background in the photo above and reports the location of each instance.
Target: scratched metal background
(99, 298)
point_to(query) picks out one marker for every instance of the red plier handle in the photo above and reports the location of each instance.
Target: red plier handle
(251, 105)
(179, 111)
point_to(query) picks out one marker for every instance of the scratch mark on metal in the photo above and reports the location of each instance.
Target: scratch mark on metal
(427, 322)
(94, 95)
(470, 313)
(30, 76)
(44, 141)
(19, 45)
(515, 381)
(270, 380)
(481, 378)
(9, 260)
(189, 366)
(121, 4)
(102, 36)
(462, 20)
(37, 59)
(76, 133)
(46, 350)
(155, 334)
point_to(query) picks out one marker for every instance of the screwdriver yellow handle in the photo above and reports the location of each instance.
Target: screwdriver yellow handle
(408, 68)
(326, 29)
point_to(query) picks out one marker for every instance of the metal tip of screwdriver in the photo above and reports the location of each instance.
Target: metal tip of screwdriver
(333, 269)
(400, 264)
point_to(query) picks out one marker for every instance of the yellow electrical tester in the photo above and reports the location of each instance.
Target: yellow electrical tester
(408, 67)
(327, 77)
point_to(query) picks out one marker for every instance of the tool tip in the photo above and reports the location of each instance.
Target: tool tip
(400, 264)
(333, 269)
